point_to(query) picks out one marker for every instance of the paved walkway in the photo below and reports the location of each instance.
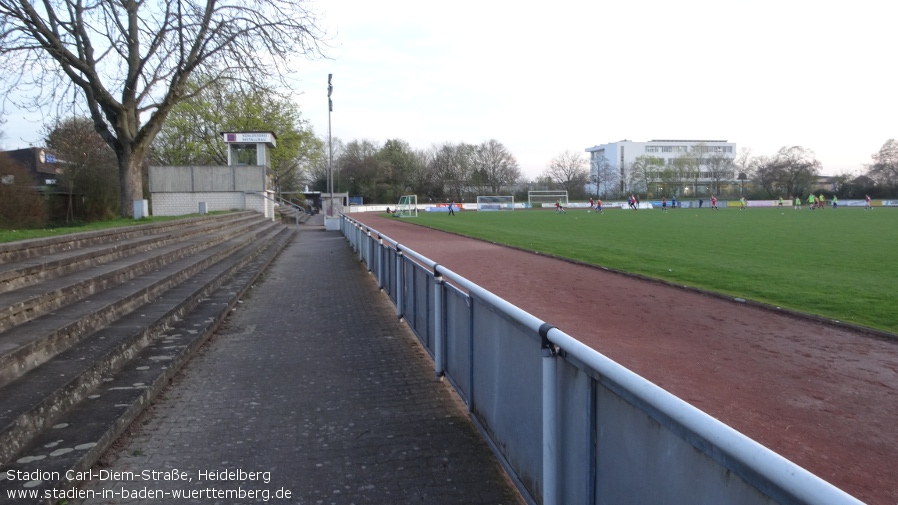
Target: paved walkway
(312, 388)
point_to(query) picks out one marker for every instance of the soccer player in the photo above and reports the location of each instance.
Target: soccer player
(663, 204)
(812, 201)
(599, 206)
(451, 211)
(797, 204)
(742, 203)
(714, 202)
(867, 204)
(821, 201)
(835, 201)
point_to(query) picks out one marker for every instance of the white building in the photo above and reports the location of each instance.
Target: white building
(612, 166)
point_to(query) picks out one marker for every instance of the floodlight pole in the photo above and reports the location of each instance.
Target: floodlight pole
(330, 146)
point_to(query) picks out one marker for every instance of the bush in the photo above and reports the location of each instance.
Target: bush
(91, 171)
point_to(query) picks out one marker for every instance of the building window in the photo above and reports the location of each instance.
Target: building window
(674, 149)
(712, 149)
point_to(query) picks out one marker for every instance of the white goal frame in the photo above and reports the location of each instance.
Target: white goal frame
(499, 202)
(542, 197)
(407, 206)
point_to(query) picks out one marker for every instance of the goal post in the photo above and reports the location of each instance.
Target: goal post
(546, 198)
(495, 202)
(407, 206)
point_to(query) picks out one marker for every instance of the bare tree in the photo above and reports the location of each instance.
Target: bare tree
(744, 161)
(569, 171)
(497, 165)
(603, 175)
(451, 165)
(791, 172)
(645, 172)
(884, 169)
(720, 168)
(689, 164)
(131, 61)
(419, 179)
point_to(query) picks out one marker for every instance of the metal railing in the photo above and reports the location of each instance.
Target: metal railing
(570, 425)
(299, 210)
(276, 199)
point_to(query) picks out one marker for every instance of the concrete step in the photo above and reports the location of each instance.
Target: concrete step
(77, 439)
(30, 302)
(27, 345)
(32, 248)
(39, 268)
(292, 215)
(97, 388)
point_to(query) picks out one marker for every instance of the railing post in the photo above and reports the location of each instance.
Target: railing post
(380, 262)
(359, 233)
(399, 277)
(368, 258)
(550, 417)
(437, 323)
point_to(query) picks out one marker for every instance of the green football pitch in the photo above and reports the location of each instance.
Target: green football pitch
(840, 264)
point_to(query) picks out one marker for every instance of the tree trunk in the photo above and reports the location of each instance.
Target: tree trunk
(130, 180)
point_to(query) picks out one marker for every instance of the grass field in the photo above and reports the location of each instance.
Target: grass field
(840, 264)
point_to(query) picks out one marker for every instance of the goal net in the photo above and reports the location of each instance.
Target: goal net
(495, 203)
(546, 198)
(407, 206)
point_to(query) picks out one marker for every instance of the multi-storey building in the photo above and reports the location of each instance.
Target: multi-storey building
(694, 167)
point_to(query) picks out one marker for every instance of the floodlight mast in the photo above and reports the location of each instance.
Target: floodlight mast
(330, 146)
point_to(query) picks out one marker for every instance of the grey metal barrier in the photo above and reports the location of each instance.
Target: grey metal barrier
(570, 425)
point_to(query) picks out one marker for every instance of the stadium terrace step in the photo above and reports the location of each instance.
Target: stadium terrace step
(29, 344)
(39, 247)
(30, 302)
(290, 215)
(129, 339)
(34, 269)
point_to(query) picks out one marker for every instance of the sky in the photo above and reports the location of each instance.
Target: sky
(548, 77)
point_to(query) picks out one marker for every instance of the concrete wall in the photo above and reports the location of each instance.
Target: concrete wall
(179, 204)
(176, 191)
(213, 178)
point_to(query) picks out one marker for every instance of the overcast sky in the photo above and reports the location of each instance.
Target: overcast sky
(570, 74)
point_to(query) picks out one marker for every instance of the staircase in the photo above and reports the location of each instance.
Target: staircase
(94, 325)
